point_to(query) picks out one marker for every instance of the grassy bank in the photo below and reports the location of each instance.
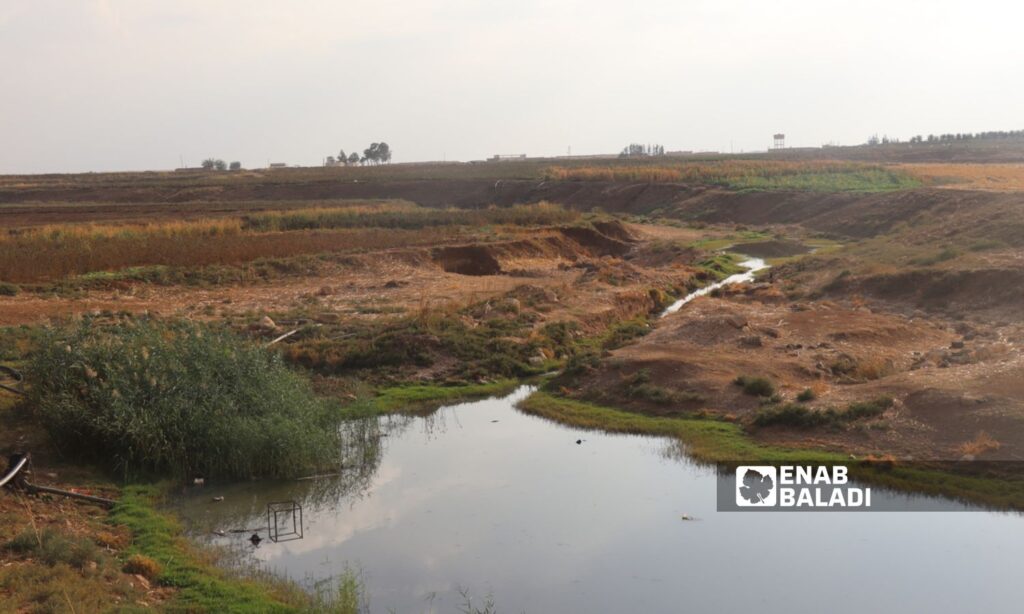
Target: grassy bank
(715, 441)
(200, 585)
(705, 439)
(413, 397)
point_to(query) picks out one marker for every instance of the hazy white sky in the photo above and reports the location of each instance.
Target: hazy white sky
(134, 84)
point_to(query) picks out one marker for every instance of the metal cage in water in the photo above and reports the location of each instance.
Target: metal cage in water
(284, 521)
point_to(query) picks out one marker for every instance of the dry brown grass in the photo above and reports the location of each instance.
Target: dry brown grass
(993, 177)
(818, 175)
(54, 253)
(143, 565)
(982, 442)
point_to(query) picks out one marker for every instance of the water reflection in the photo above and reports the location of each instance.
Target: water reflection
(480, 495)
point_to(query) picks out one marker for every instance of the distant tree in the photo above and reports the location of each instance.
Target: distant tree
(220, 165)
(342, 157)
(353, 158)
(638, 150)
(236, 166)
(873, 140)
(384, 153)
(370, 153)
(209, 163)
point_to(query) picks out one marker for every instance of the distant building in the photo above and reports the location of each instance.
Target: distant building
(506, 157)
(277, 165)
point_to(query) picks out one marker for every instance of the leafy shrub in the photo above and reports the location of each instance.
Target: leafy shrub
(791, 414)
(806, 395)
(483, 350)
(801, 416)
(622, 333)
(177, 398)
(868, 409)
(7, 289)
(755, 386)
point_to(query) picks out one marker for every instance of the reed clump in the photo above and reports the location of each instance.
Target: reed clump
(178, 399)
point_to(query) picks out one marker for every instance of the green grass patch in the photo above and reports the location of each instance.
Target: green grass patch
(721, 265)
(725, 442)
(859, 180)
(201, 586)
(707, 440)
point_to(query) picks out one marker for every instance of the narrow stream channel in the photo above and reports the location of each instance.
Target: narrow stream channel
(481, 497)
(752, 265)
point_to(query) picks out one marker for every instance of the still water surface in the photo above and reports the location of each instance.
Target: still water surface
(481, 497)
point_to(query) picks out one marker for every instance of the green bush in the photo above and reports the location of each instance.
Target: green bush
(7, 289)
(791, 414)
(801, 416)
(178, 398)
(623, 332)
(755, 386)
(868, 409)
(806, 395)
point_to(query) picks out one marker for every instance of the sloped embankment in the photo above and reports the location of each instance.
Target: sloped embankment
(567, 243)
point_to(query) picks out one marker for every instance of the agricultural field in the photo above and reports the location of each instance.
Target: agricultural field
(996, 177)
(885, 326)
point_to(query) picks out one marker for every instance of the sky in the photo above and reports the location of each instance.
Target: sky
(138, 84)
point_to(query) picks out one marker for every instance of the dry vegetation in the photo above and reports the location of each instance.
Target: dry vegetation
(477, 294)
(38, 257)
(815, 175)
(50, 253)
(996, 177)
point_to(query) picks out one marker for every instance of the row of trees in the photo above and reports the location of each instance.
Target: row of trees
(216, 164)
(950, 137)
(634, 150)
(376, 153)
(967, 136)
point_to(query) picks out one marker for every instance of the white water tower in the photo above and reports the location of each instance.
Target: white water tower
(780, 141)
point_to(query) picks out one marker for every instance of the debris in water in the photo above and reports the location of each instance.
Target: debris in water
(579, 441)
(218, 499)
(255, 539)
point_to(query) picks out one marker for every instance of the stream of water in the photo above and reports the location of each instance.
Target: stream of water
(483, 498)
(752, 265)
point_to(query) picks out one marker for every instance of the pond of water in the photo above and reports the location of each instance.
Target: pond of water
(483, 498)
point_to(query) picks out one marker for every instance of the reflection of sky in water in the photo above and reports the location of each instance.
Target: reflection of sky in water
(516, 508)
